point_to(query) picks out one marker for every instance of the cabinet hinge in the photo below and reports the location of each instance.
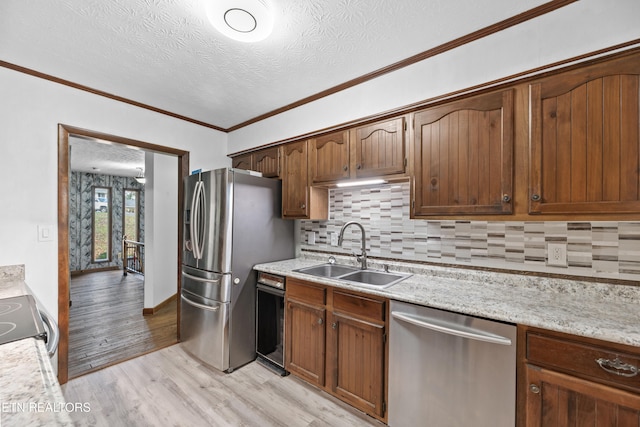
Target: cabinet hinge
(413, 204)
(384, 338)
(384, 407)
(405, 162)
(405, 125)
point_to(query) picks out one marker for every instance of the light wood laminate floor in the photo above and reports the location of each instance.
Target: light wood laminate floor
(170, 388)
(106, 324)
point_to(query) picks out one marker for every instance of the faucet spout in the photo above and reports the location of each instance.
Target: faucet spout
(362, 258)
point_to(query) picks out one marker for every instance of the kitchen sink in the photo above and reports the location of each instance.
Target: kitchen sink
(367, 278)
(328, 270)
(374, 278)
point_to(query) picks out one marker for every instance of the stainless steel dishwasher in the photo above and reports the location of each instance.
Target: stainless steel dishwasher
(450, 370)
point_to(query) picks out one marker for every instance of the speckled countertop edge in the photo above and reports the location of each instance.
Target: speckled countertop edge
(30, 394)
(589, 309)
(29, 391)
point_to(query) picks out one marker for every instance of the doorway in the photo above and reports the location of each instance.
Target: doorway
(64, 133)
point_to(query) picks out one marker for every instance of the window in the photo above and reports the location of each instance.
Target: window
(101, 224)
(131, 215)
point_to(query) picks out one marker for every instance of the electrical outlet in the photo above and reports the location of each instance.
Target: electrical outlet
(557, 254)
(334, 239)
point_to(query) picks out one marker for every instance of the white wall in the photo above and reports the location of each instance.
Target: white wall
(30, 110)
(581, 27)
(161, 220)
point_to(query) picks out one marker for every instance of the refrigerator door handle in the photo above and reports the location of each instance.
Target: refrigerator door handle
(201, 207)
(192, 221)
(198, 305)
(197, 230)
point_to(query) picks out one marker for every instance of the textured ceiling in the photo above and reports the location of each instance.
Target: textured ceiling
(105, 158)
(165, 54)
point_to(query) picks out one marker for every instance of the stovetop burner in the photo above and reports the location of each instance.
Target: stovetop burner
(9, 307)
(19, 318)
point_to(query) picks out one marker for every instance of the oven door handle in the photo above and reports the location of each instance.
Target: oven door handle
(270, 289)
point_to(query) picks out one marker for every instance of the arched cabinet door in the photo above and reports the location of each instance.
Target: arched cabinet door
(463, 157)
(329, 157)
(379, 148)
(585, 143)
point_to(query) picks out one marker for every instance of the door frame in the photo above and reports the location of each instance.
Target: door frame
(64, 131)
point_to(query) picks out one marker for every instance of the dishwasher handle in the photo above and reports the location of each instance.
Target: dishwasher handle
(451, 328)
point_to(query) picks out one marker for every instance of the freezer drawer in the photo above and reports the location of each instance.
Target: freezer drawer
(450, 370)
(204, 329)
(206, 284)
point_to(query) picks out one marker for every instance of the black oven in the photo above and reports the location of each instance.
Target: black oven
(270, 321)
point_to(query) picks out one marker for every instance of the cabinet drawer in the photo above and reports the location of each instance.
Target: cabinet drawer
(306, 292)
(359, 306)
(583, 359)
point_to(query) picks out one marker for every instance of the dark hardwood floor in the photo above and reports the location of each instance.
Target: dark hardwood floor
(106, 325)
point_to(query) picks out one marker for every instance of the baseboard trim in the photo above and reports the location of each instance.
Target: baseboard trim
(153, 310)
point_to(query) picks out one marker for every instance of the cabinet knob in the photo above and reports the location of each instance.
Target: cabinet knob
(534, 389)
(345, 168)
(535, 197)
(506, 198)
(303, 206)
(320, 321)
(358, 166)
(334, 325)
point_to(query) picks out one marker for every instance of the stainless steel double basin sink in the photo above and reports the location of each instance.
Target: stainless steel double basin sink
(357, 276)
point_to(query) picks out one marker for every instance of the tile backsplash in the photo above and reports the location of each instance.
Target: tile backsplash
(603, 249)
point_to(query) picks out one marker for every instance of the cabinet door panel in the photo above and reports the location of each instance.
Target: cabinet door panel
(585, 140)
(267, 162)
(305, 341)
(358, 363)
(295, 180)
(380, 148)
(463, 159)
(559, 400)
(242, 162)
(329, 157)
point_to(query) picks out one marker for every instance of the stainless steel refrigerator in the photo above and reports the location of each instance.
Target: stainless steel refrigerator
(232, 221)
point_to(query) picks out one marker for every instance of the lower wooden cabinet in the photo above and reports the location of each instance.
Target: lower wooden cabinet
(573, 381)
(354, 336)
(305, 326)
(555, 399)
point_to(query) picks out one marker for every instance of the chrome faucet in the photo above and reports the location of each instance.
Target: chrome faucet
(362, 258)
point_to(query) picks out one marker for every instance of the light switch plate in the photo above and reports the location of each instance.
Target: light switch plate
(311, 238)
(45, 233)
(334, 239)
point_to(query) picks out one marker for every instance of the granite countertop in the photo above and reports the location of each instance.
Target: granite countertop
(596, 310)
(30, 394)
(29, 391)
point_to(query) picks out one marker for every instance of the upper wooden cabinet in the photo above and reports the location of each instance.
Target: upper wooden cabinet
(242, 162)
(378, 149)
(329, 157)
(299, 200)
(463, 157)
(267, 162)
(585, 142)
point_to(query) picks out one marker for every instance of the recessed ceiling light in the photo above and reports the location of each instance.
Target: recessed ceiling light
(242, 20)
